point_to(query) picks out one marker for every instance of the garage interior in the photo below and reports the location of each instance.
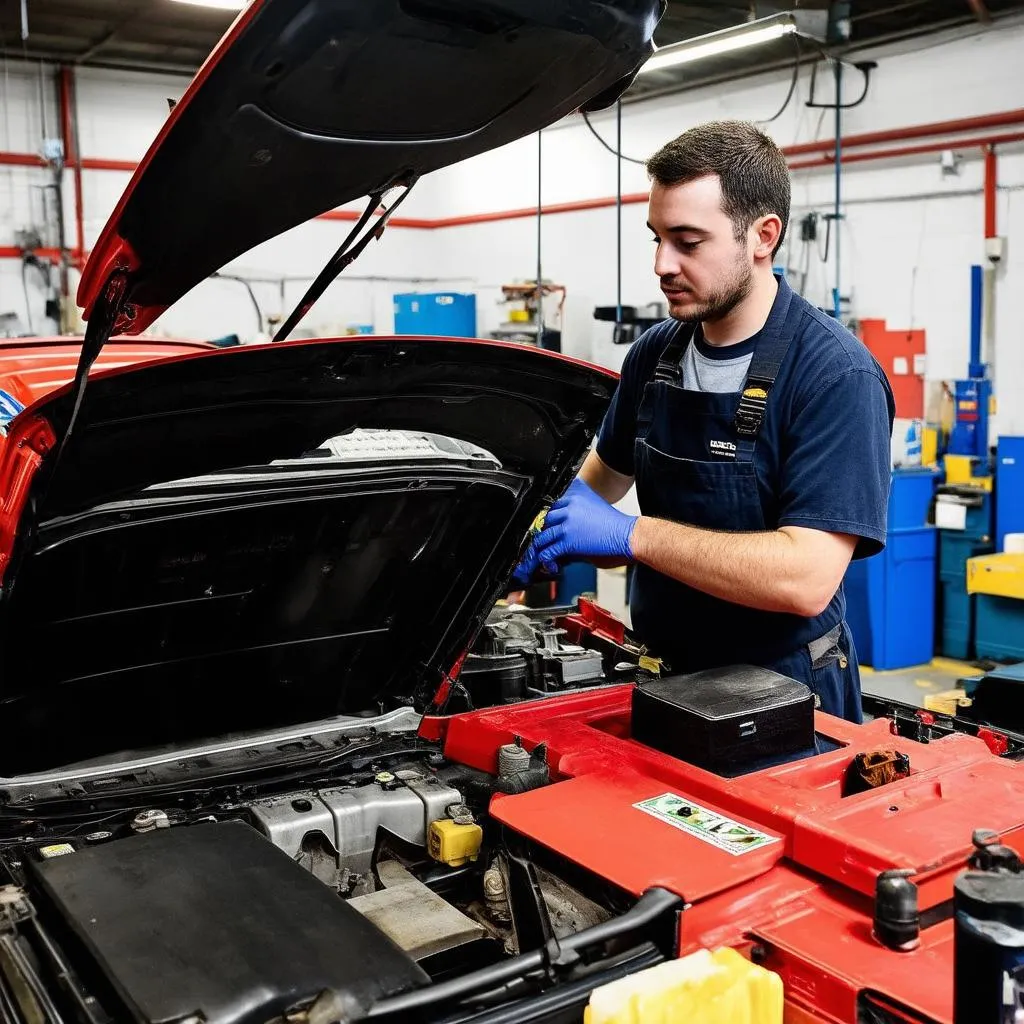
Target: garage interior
(902, 122)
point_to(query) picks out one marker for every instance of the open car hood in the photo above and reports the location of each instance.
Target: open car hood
(304, 106)
(164, 578)
(153, 597)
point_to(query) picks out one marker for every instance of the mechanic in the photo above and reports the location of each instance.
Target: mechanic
(756, 429)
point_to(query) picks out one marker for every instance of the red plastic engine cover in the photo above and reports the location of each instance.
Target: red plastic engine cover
(805, 890)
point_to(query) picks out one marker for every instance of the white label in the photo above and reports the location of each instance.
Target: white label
(950, 515)
(900, 366)
(57, 850)
(920, 364)
(705, 825)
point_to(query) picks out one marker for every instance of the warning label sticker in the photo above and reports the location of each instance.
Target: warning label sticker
(709, 826)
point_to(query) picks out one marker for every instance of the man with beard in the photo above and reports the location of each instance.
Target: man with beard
(756, 429)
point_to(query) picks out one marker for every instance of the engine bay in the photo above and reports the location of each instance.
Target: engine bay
(523, 654)
(529, 840)
(385, 880)
(366, 877)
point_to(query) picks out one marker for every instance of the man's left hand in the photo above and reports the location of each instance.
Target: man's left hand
(581, 524)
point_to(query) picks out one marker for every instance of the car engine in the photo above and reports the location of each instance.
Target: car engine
(522, 654)
(362, 873)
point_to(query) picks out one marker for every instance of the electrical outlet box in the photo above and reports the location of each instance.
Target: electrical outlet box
(995, 249)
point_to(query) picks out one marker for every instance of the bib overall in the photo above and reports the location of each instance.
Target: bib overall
(682, 476)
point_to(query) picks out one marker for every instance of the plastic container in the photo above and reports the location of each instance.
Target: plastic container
(436, 314)
(890, 601)
(705, 987)
(910, 497)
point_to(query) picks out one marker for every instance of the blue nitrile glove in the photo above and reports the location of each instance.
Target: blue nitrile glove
(581, 524)
(524, 571)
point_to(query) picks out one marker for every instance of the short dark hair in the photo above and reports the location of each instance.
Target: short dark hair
(750, 166)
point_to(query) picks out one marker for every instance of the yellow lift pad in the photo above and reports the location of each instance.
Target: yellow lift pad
(720, 987)
(1001, 575)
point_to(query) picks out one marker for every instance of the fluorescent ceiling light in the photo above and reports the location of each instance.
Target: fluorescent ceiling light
(751, 33)
(222, 5)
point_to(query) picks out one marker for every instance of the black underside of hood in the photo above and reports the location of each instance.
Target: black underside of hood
(308, 105)
(154, 598)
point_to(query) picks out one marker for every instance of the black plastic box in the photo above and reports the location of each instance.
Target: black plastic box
(725, 720)
(213, 922)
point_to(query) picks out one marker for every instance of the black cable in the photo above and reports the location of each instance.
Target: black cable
(611, 149)
(865, 67)
(792, 82)
(252, 295)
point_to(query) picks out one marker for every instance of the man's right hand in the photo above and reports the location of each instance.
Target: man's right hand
(610, 485)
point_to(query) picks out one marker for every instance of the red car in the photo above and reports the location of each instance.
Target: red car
(249, 772)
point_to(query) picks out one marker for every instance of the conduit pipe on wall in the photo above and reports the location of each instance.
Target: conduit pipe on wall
(825, 148)
(991, 233)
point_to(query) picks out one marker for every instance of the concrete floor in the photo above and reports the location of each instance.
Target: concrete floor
(915, 685)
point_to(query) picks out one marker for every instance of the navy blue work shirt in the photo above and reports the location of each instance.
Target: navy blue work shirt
(822, 459)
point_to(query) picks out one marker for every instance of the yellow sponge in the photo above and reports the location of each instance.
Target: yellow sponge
(719, 987)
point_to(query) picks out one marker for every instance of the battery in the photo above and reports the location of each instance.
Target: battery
(725, 720)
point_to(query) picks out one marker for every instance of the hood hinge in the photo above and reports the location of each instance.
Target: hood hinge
(108, 309)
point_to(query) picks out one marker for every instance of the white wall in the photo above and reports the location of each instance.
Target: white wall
(910, 234)
(908, 241)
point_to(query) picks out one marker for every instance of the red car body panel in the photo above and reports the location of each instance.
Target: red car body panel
(32, 368)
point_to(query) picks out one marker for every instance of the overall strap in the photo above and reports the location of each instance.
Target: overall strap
(668, 370)
(771, 350)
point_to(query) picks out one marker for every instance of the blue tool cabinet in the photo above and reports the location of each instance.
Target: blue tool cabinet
(890, 597)
(1009, 488)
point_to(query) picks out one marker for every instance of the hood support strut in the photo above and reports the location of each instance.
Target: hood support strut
(347, 253)
(98, 330)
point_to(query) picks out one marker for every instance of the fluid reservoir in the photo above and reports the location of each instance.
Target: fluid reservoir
(454, 843)
(720, 987)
